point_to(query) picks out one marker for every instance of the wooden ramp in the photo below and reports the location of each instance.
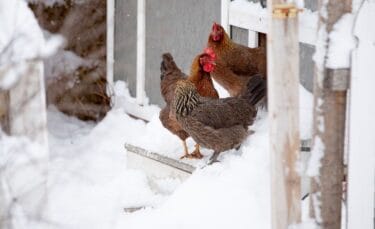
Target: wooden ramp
(158, 166)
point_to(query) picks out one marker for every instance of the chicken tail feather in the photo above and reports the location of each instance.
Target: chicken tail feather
(256, 89)
(167, 64)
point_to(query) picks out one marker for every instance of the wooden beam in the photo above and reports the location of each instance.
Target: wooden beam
(283, 103)
(4, 111)
(330, 93)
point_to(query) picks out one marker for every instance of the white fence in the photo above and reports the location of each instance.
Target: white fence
(361, 187)
(251, 16)
(361, 180)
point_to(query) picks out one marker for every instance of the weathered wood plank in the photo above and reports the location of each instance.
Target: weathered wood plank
(156, 165)
(329, 125)
(27, 106)
(4, 111)
(283, 103)
(305, 147)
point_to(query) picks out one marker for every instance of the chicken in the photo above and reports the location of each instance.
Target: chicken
(200, 77)
(218, 124)
(235, 63)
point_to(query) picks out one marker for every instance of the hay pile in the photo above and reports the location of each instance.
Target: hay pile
(76, 75)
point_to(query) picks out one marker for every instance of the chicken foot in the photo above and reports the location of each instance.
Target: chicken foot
(196, 153)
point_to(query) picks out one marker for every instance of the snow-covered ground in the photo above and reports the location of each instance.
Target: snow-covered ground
(89, 185)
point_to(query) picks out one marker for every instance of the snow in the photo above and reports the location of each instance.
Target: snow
(308, 18)
(317, 154)
(22, 178)
(89, 184)
(341, 42)
(21, 40)
(238, 189)
(319, 56)
(63, 63)
(253, 8)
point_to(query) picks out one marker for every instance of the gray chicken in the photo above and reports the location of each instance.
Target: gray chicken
(218, 124)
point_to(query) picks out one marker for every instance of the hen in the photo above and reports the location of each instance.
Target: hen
(218, 124)
(235, 63)
(200, 77)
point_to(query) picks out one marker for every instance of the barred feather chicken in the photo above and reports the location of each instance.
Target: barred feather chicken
(199, 76)
(235, 63)
(218, 124)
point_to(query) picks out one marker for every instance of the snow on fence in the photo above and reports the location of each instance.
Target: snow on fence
(22, 47)
(26, 116)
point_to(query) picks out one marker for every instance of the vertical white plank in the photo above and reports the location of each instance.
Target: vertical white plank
(283, 106)
(141, 50)
(361, 161)
(110, 40)
(252, 41)
(225, 15)
(28, 117)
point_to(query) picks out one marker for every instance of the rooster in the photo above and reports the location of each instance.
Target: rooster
(235, 63)
(199, 76)
(218, 124)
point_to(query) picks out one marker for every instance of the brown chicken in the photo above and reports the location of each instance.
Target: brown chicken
(218, 124)
(235, 63)
(200, 77)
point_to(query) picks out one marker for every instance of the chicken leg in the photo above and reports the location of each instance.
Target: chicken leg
(213, 158)
(196, 153)
(186, 151)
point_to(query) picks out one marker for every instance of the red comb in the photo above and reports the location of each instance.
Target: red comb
(216, 26)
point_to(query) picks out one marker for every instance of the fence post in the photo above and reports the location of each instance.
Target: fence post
(283, 103)
(28, 117)
(141, 50)
(330, 90)
(4, 108)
